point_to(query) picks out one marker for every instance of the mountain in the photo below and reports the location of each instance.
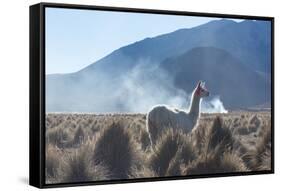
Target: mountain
(248, 40)
(233, 58)
(237, 85)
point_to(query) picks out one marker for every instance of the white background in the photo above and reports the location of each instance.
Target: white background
(14, 88)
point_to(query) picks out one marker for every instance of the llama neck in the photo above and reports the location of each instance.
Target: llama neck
(195, 107)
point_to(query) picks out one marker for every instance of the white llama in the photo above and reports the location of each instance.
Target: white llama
(161, 117)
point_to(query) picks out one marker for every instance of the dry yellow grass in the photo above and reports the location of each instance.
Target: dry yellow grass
(89, 147)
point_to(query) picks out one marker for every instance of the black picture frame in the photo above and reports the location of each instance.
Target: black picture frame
(37, 93)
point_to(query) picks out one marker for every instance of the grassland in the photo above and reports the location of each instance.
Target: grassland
(89, 147)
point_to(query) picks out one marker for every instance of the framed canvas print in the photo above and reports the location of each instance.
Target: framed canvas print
(126, 95)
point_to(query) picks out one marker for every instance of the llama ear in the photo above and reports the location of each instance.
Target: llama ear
(199, 83)
(203, 84)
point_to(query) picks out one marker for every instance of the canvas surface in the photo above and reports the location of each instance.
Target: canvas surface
(131, 95)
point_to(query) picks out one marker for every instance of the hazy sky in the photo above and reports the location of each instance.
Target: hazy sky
(76, 38)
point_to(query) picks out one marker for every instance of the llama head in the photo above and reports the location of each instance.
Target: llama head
(201, 90)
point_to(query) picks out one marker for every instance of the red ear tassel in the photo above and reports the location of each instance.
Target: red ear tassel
(199, 84)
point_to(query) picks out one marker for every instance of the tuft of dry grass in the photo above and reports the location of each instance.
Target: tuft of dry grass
(259, 158)
(57, 136)
(79, 166)
(52, 164)
(79, 136)
(115, 149)
(164, 151)
(213, 163)
(184, 155)
(213, 137)
(144, 140)
(142, 172)
(219, 136)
